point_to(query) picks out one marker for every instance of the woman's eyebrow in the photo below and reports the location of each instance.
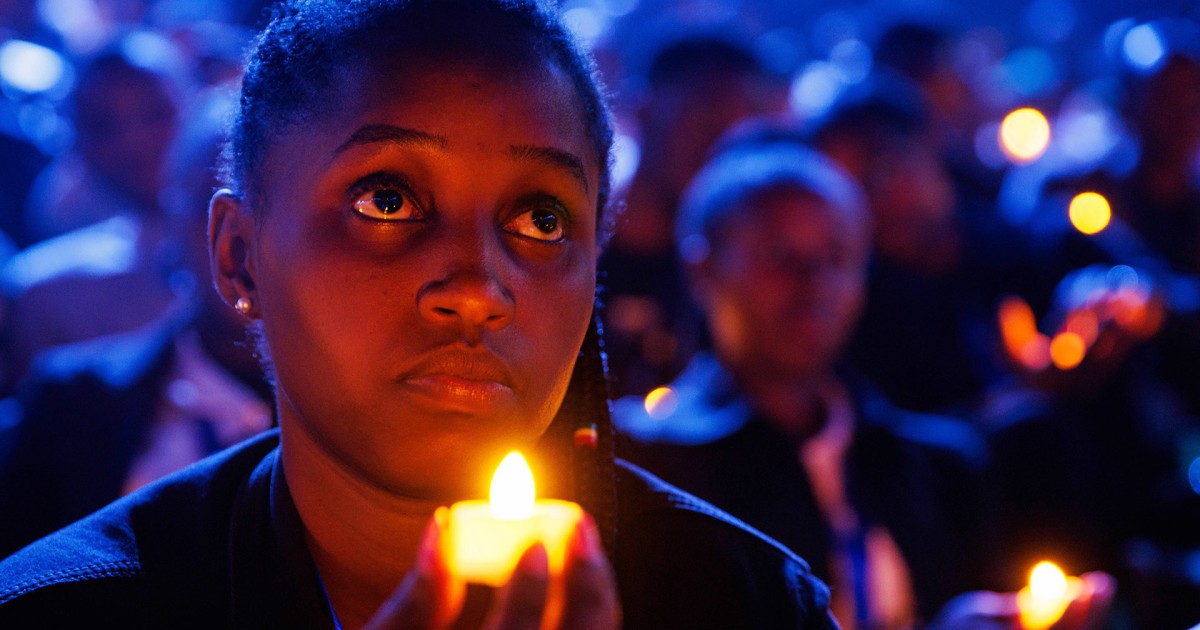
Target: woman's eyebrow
(550, 156)
(391, 134)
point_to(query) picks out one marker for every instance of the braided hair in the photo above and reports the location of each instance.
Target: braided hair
(295, 63)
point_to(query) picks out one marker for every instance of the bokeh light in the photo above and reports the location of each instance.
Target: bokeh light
(1090, 212)
(1083, 322)
(1194, 475)
(1018, 331)
(1047, 581)
(661, 402)
(815, 88)
(1143, 47)
(1024, 135)
(1067, 350)
(29, 67)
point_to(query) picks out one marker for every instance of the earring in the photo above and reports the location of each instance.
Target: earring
(242, 305)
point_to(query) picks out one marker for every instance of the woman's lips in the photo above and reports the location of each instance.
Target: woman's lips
(467, 380)
(453, 388)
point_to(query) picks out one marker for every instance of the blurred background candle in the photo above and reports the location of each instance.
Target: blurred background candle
(1046, 597)
(487, 538)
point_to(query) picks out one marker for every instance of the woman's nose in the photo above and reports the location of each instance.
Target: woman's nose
(473, 299)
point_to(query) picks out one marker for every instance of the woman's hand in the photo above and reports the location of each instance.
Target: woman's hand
(985, 610)
(431, 597)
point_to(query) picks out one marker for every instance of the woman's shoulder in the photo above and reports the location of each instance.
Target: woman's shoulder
(684, 563)
(170, 537)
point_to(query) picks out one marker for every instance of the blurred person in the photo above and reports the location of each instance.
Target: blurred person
(1165, 184)
(1092, 449)
(697, 86)
(125, 108)
(884, 502)
(1161, 201)
(925, 336)
(98, 419)
(111, 266)
(924, 55)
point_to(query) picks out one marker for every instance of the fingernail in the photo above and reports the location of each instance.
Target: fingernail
(428, 549)
(592, 534)
(534, 562)
(587, 539)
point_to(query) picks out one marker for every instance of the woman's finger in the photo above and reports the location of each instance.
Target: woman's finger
(590, 589)
(1089, 610)
(522, 602)
(428, 597)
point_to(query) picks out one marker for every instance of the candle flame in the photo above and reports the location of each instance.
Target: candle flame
(1047, 582)
(512, 490)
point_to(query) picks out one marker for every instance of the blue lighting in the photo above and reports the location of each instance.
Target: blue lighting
(1030, 71)
(587, 21)
(29, 67)
(1194, 475)
(815, 88)
(1143, 47)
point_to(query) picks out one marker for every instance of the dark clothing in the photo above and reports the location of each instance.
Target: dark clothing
(70, 435)
(913, 474)
(220, 544)
(74, 428)
(925, 341)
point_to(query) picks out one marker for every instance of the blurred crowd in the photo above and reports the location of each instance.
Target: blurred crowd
(919, 299)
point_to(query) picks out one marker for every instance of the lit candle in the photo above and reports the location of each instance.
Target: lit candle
(1047, 596)
(487, 538)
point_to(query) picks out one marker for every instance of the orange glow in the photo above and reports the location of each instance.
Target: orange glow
(484, 539)
(1084, 323)
(661, 402)
(1046, 598)
(1090, 212)
(1017, 323)
(1035, 356)
(1024, 135)
(1067, 350)
(1018, 331)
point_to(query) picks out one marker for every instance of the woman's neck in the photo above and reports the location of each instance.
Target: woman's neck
(363, 539)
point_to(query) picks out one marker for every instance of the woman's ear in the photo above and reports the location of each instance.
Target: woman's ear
(230, 243)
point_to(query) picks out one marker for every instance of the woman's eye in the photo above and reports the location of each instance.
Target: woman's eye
(387, 203)
(543, 224)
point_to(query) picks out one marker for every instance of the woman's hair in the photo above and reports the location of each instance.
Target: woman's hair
(295, 63)
(291, 77)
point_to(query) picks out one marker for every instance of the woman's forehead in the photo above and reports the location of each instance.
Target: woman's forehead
(475, 110)
(454, 100)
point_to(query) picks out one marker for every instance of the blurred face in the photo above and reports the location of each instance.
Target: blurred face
(784, 284)
(425, 267)
(911, 196)
(127, 121)
(681, 121)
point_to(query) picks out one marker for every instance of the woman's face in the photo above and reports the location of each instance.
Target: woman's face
(424, 268)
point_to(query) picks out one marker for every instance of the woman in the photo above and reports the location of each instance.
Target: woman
(412, 227)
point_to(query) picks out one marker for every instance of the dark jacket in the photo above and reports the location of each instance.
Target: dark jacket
(916, 475)
(220, 544)
(68, 437)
